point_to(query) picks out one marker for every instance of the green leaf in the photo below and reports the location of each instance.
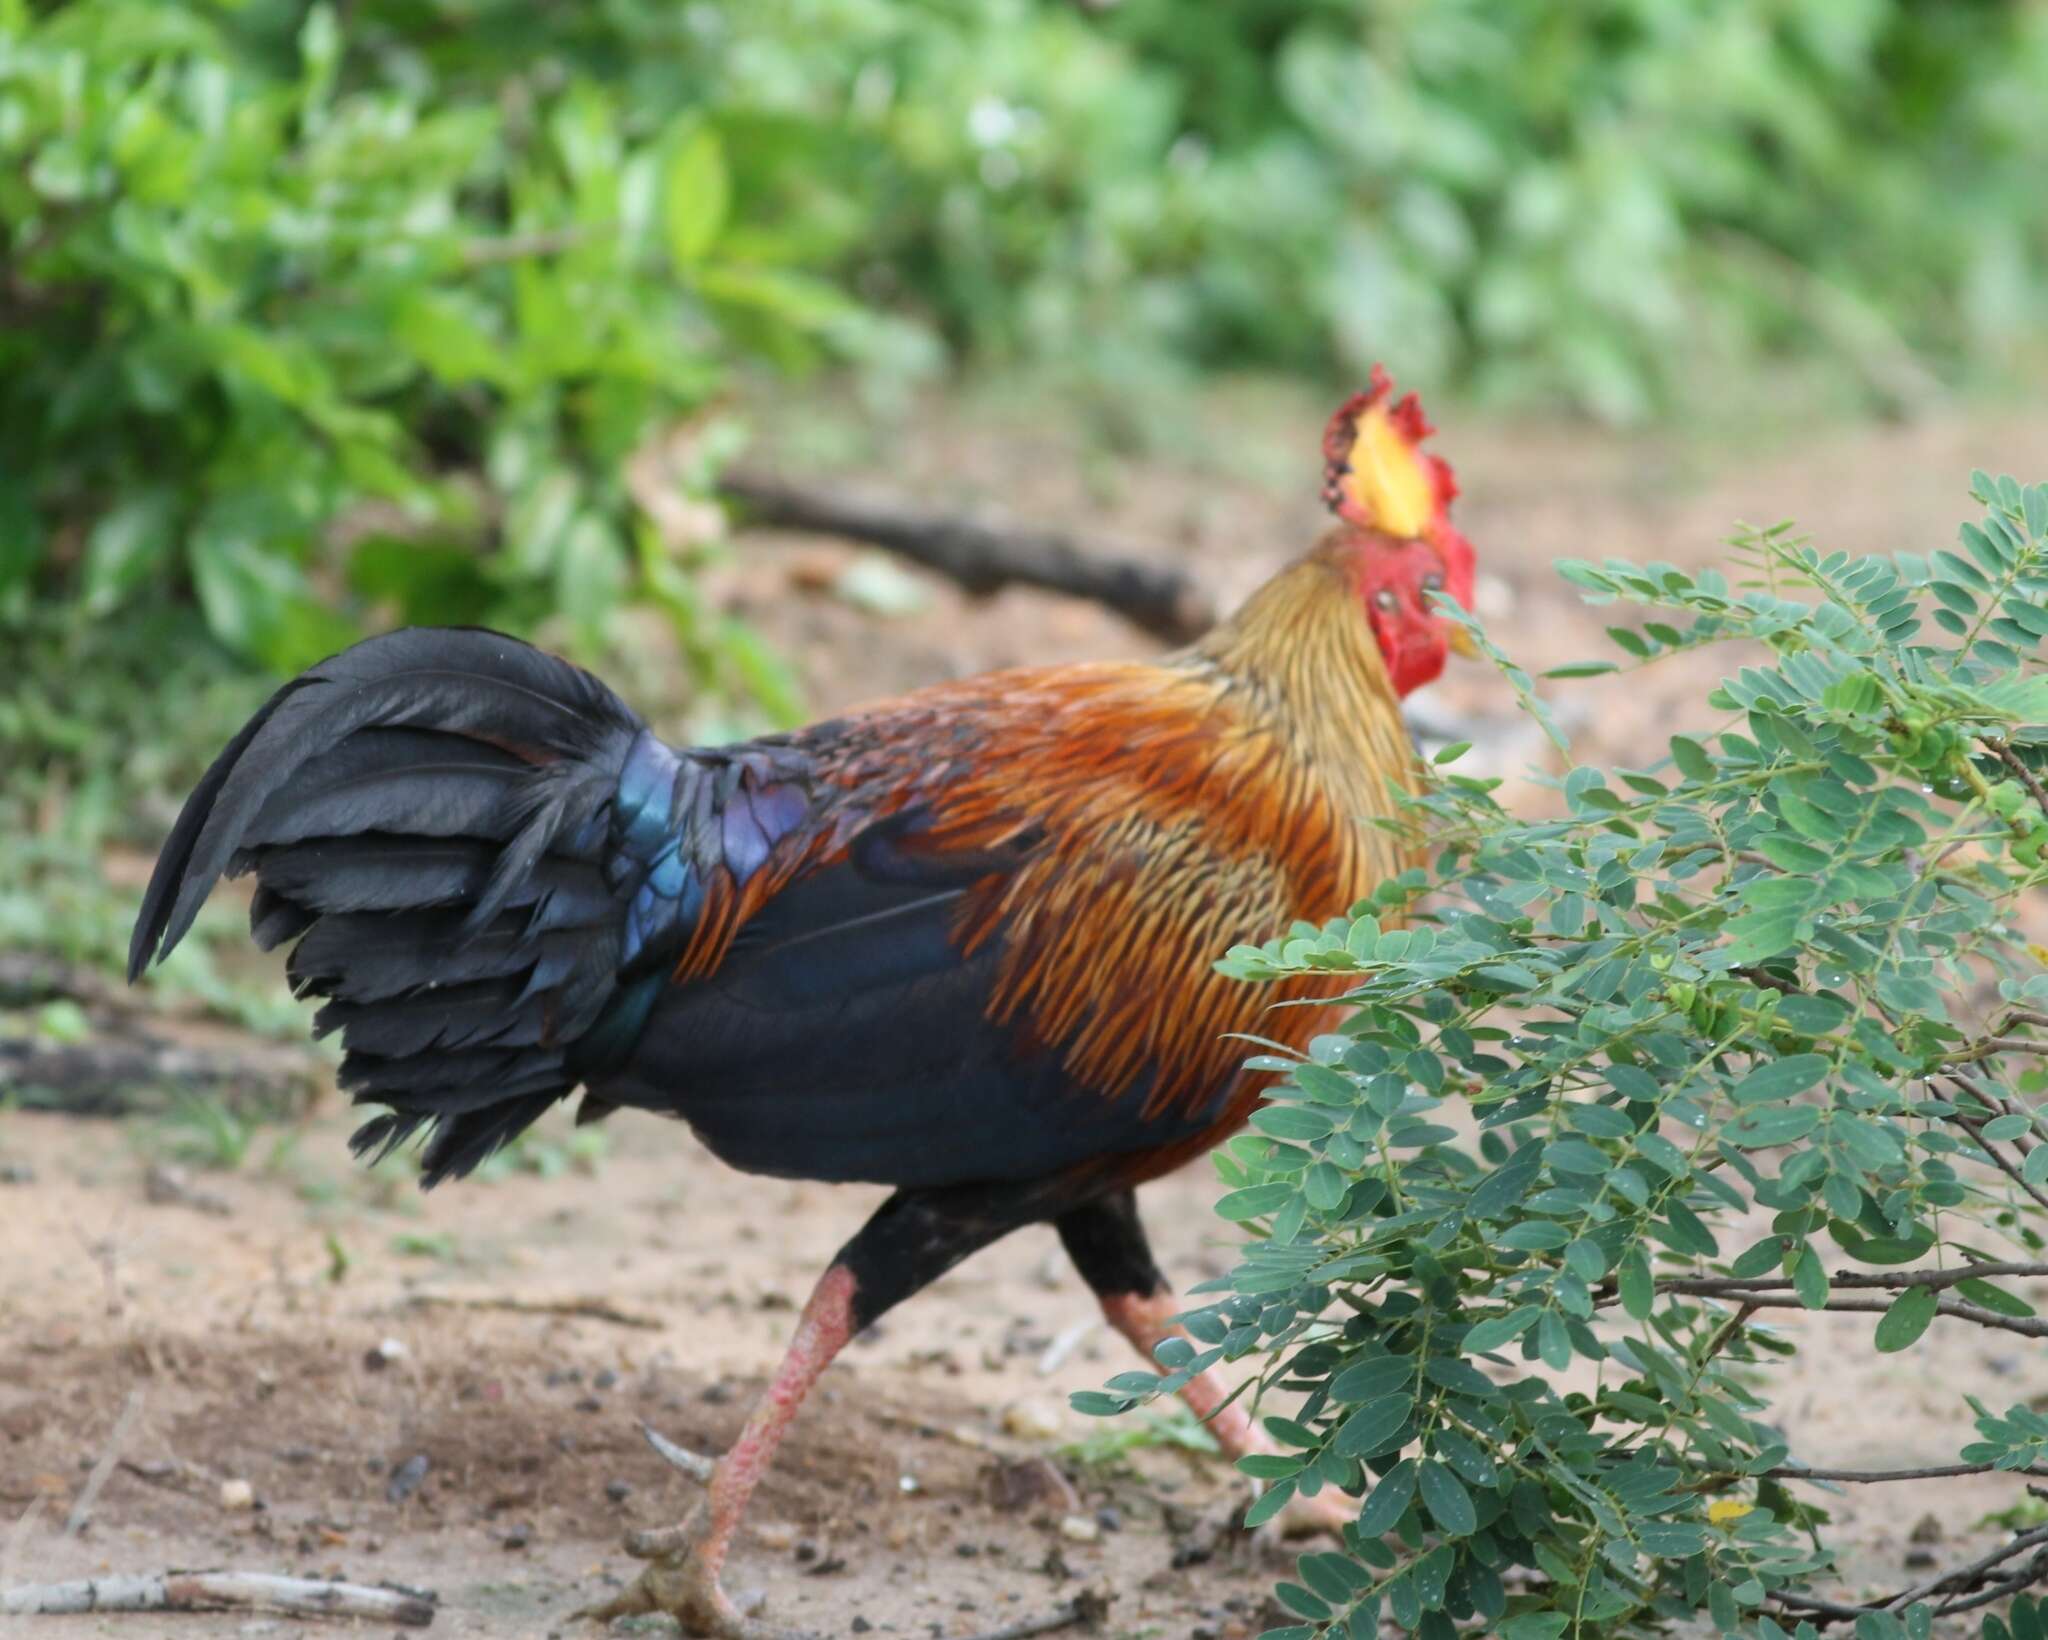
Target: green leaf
(1780, 1078)
(1759, 936)
(1773, 1125)
(1993, 1298)
(1367, 1430)
(1292, 1122)
(1389, 1500)
(1810, 1279)
(1255, 1201)
(696, 194)
(129, 546)
(1638, 1288)
(1691, 758)
(1446, 1499)
(1909, 1316)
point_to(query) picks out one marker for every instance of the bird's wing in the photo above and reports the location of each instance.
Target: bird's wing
(982, 950)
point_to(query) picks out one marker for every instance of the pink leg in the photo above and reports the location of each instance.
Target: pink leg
(684, 1562)
(1142, 1318)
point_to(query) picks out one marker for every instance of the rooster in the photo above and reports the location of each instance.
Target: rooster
(958, 943)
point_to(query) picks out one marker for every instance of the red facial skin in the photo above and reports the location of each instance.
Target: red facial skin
(1398, 579)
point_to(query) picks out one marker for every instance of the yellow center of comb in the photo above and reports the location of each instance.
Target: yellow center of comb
(1389, 482)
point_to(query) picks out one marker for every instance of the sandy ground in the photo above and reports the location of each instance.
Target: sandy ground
(249, 1352)
(905, 1499)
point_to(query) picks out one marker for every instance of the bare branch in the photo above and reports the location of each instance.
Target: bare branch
(1931, 1472)
(984, 556)
(1966, 1586)
(1775, 1292)
(1999, 749)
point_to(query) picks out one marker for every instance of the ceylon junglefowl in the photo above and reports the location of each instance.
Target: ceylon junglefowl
(959, 942)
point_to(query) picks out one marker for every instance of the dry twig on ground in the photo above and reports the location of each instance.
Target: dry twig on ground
(219, 1591)
(574, 1309)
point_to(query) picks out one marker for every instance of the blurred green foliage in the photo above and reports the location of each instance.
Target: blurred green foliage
(345, 314)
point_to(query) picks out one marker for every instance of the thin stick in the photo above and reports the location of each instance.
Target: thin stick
(2020, 772)
(1890, 1281)
(1932, 1472)
(1086, 1607)
(1998, 1159)
(1060, 1348)
(2025, 1326)
(219, 1591)
(81, 1511)
(578, 1309)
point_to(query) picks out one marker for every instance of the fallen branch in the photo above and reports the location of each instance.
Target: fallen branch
(1089, 1607)
(126, 1072)
(983, 556)
(219, 1591)
(28, 978)
(577, 1309)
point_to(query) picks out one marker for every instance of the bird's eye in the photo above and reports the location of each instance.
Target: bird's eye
(1432, 582)
(1384, 599)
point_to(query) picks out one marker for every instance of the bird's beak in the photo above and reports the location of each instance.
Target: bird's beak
(1461, 642)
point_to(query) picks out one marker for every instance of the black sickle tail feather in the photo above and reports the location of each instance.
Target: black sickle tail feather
(427, 815)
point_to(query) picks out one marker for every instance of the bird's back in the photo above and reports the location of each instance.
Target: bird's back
(987, 953)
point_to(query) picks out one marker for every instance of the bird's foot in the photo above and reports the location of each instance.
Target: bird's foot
(1328, 1511)
(680, 1576)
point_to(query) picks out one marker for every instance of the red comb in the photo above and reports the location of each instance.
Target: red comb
(1406, 418)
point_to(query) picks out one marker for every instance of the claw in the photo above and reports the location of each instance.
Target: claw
(694, 1464)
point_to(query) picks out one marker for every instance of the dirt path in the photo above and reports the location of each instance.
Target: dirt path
(247, 1339)
(252, 1341)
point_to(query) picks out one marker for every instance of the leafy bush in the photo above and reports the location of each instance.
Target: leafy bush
(1755, 1028)
(279, 283)
(349, 311)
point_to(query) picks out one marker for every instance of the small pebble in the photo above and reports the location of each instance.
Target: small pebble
(237, 1494)
(518, 1538)
(966, 1551)
(605, 1379)
(861, 1625)
(1110, 1520)
(1031, 1421)
(590, 1403)
(1079, 1529)
(383, 1354)
(405, 1479)
(618, 1491)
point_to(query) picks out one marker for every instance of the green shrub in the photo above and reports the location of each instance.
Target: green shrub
(1756, 1027)
(337, 317)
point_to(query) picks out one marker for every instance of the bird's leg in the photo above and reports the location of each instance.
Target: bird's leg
(684, 1562)
(1108, 1246)
(913, 1239)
